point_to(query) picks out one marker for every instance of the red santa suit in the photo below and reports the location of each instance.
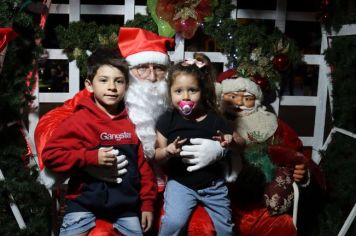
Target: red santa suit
(283, 147)
(256, 219)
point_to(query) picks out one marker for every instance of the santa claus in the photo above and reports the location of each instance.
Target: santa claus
(272, 160)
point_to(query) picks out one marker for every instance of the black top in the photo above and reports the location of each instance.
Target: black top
(171, 125)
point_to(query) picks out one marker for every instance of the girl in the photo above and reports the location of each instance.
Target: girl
(193, 115)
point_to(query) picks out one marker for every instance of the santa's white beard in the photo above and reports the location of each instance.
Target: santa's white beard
(245, 111)
(146, 101)
(235, 110)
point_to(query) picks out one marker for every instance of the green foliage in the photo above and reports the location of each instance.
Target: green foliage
(238, 40)
(249, 46)
(32, 198)
(339, 13)
(81, 37)
(144, 22)
(339, 165)
(9, 10)
(343, 75)
(14, 94)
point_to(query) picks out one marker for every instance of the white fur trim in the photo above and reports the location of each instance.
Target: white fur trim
(218, 89)
(148, 57)
(261, 125)
(241, 84)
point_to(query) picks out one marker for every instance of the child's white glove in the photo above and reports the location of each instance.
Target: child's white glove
(110, 174)
(201, 153)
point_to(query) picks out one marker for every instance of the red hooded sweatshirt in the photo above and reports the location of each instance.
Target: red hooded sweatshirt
(74, 145)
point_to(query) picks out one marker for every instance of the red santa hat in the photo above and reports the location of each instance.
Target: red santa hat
(228, 74)
(231, 83)
(139, 46)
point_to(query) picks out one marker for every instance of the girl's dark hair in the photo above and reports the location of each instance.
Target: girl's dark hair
(106, 56)
(205, 81)
(205, 59)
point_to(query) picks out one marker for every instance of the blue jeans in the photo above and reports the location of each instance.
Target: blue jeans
(79, 222)
(179, 201)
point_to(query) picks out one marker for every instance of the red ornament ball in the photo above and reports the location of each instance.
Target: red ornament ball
(281, 62)
(261, 81)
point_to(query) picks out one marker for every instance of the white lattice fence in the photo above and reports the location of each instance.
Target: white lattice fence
(280, 16)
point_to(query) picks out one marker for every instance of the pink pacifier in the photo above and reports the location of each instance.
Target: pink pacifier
(186, 107)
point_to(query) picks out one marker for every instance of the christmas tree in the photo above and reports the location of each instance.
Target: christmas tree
(19, 187)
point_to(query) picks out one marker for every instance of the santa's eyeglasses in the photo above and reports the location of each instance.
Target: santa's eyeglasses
(145, 70)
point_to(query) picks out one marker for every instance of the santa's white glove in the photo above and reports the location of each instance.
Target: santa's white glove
(110, 174)
(201, 153)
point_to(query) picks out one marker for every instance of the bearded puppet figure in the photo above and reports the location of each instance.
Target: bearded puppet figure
(263, 192)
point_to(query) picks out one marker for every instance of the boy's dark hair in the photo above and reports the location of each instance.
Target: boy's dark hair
(205, 81)
(106, 56)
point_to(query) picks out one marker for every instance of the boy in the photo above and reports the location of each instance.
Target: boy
(89, 138)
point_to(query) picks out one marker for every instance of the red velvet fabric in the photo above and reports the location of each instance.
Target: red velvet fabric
(288, 136)
(200, 223)
(258, 222)
(103, 228)
(282, 155)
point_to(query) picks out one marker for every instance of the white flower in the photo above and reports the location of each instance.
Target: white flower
(253, 56)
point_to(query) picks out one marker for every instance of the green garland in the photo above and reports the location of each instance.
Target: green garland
(31, 198)
(339, 166)
(249, 47)
(20, 181)
(338, 13)
(81, 37)
(344, 81)
(144, 22)
(339, 161)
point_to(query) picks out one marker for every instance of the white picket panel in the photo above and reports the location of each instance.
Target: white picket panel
(74, 9)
